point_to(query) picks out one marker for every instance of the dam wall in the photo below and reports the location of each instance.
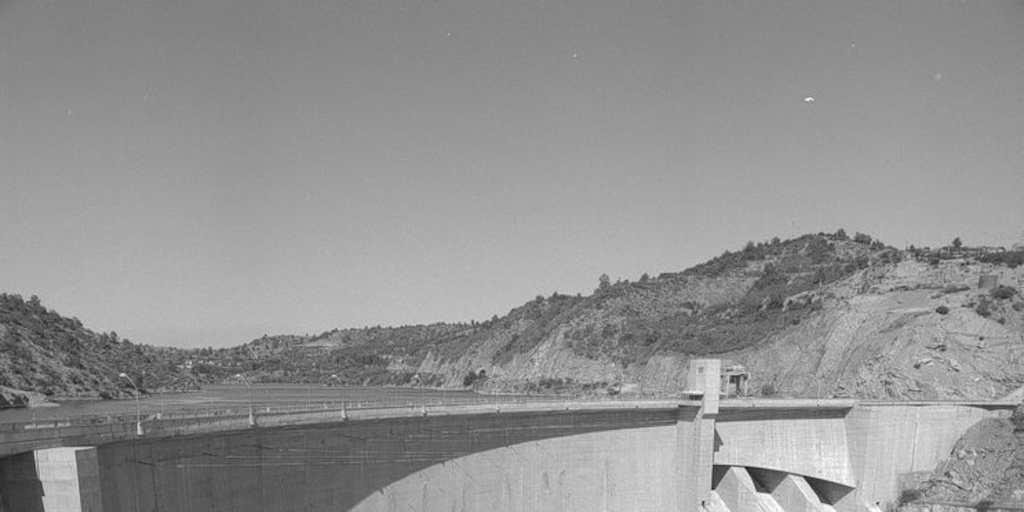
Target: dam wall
(821, 455)
(578, 460)
(612, 457)
(851, 456)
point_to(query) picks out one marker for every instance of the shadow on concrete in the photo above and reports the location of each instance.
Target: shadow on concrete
(20, 487)
(325, 466)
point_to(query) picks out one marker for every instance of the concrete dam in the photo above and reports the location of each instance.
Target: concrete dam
(696, 454)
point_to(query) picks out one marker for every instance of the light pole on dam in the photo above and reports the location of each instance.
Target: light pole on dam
(252, 415)
(138, 408)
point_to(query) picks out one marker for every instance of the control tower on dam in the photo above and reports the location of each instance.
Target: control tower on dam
(695, 454)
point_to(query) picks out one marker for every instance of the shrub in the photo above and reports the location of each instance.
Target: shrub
(469, 379)
(1003, 292)
(942, 310)
(955, 289)
(1017, 418)
(1011, 259)
(983, 309)
(768, 389)
(906, 496)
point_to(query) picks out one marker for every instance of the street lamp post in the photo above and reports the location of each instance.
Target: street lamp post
(138, 409)
(252, 417)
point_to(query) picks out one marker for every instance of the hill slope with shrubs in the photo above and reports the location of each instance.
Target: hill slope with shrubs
(818, 315)
(49, 354)
(822, 315)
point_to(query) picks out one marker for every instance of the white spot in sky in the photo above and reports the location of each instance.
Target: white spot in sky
(447, 35)
(576, 55)
(938, 76)
(69, 113)
(809, 99)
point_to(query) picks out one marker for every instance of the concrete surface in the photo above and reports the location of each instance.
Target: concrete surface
(714, 503)
(740, 493)
(626, 470)
(886, 441)
(51, 480)
(792, 492)
(614, 460)
(809, 442)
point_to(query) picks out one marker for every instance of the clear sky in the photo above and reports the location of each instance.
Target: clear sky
(194, 172)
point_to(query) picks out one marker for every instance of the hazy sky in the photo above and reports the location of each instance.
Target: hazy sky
(197, 172)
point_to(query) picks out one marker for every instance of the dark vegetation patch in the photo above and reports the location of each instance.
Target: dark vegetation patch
(541, 317)
(43, 351)
(1011, 259)
(984, 307)
(1003, 292)
(780, 298)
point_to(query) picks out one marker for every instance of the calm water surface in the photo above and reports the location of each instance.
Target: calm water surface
(263, 396)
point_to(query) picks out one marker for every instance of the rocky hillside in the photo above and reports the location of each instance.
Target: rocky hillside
(819, 315)
(44, 353)
(985, 471)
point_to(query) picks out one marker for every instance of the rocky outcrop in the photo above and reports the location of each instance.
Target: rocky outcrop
(904, 330)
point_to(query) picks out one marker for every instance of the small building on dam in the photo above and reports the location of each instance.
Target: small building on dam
(699, 453)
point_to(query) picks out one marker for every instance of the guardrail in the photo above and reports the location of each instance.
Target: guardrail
(151, 416)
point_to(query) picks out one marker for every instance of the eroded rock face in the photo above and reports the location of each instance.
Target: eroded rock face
(985, 467)
(874, 334)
